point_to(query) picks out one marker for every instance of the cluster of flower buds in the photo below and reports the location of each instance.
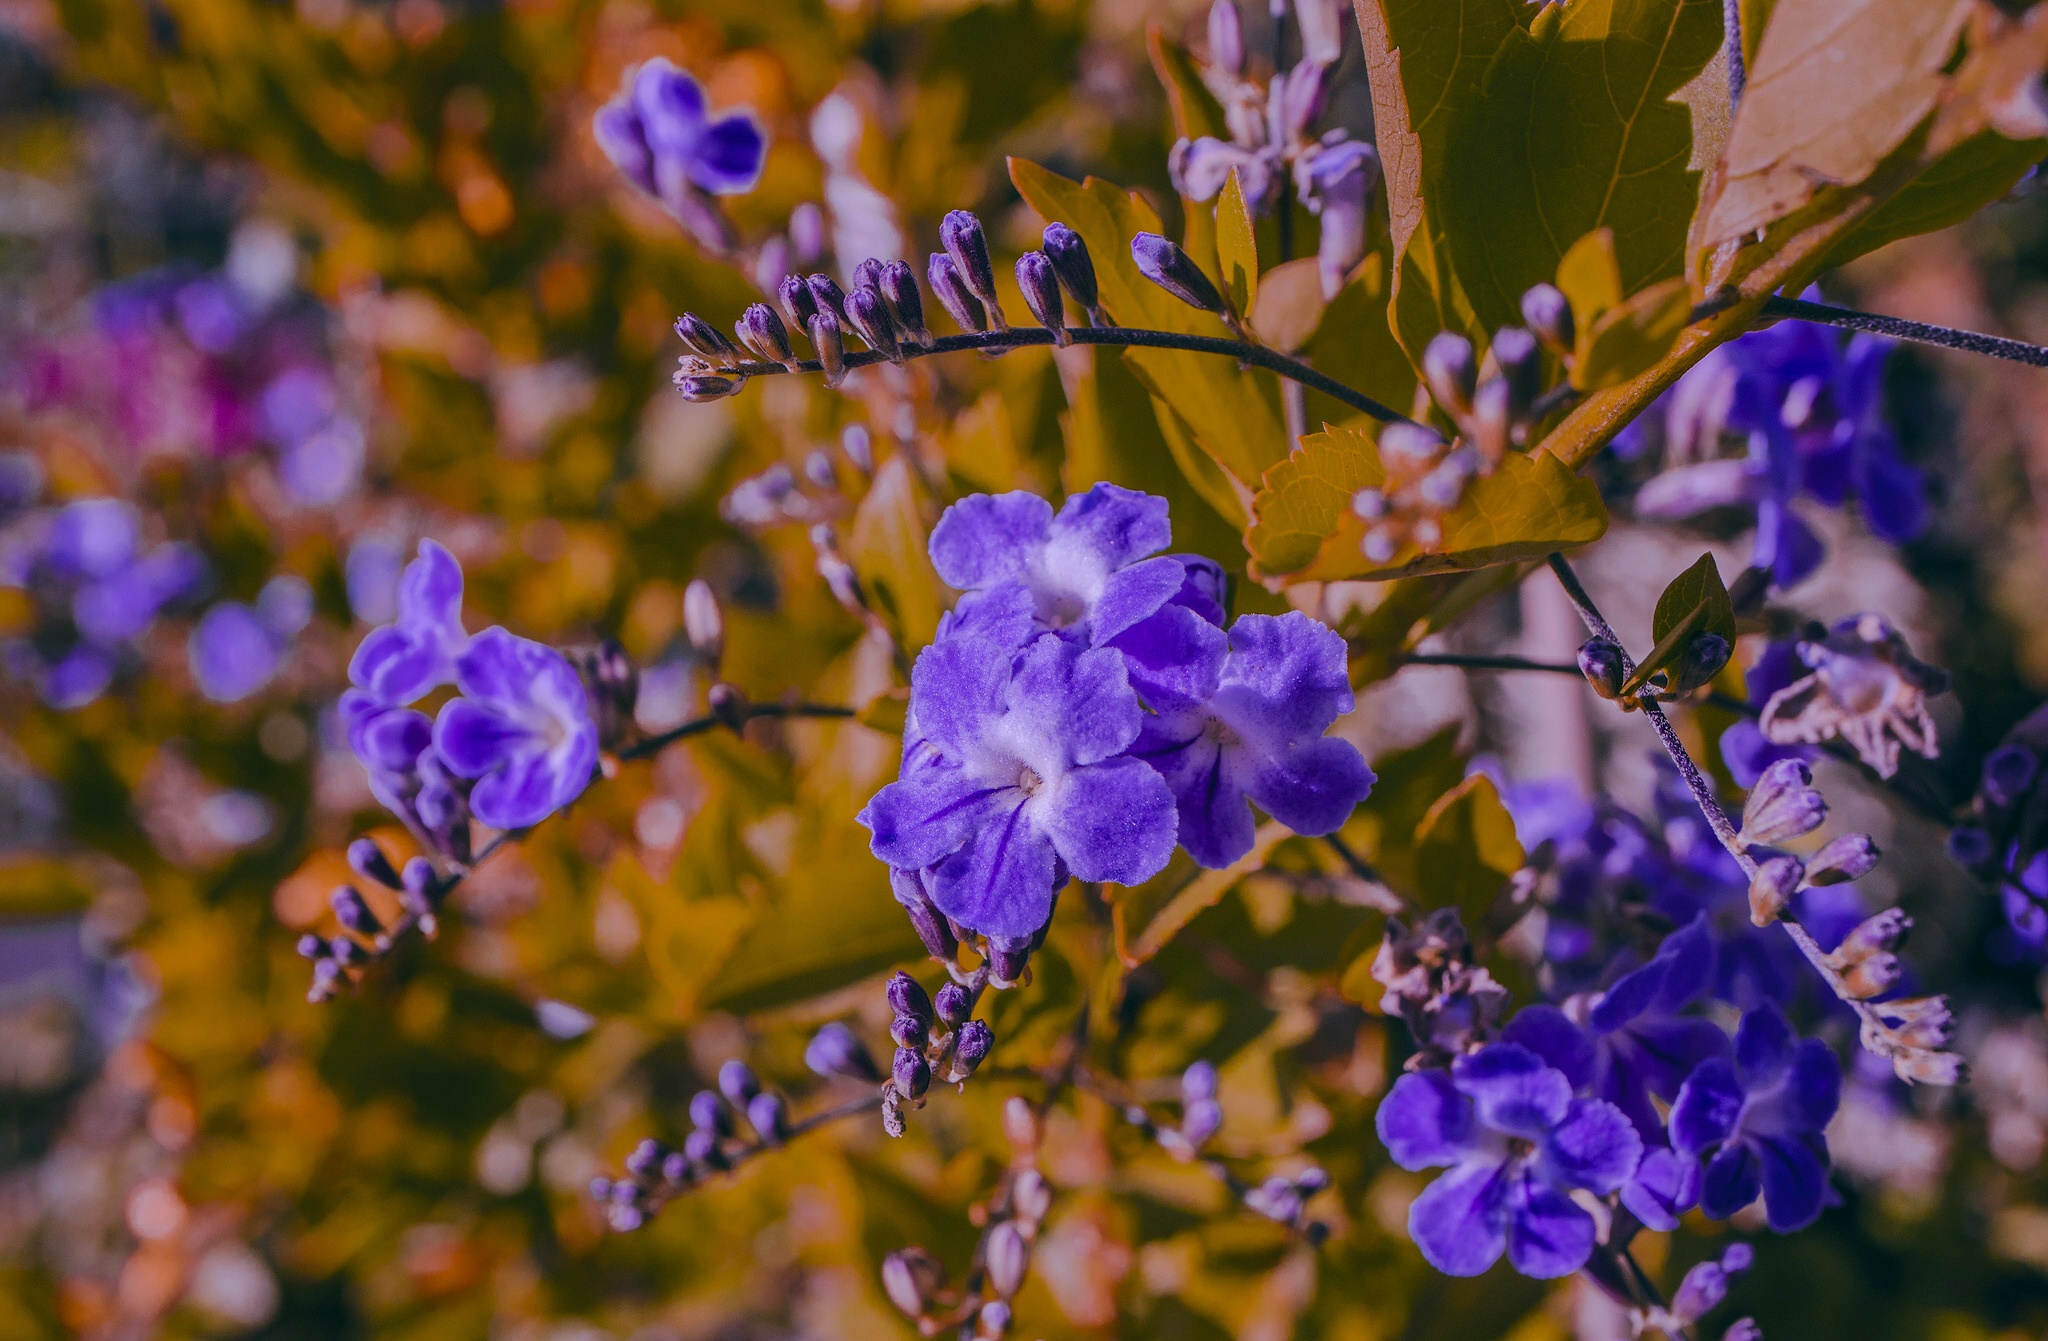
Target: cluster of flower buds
(2004, 840)
(1864, 686)
(1426, 475)
(1604, 667)
(1007, 958)
(1449, 1004)
(779, 496)
(657, 1173)
(1492, 413)
(1200, 1115)
(1271, 121)
(936, 1038)
(611, 683)
(1910, 1034)
(1700, 1293)
(339, 960)
(1283, 1199)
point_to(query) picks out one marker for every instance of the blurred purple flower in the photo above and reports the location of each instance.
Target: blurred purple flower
(405, 659)
(522, 729)
(1517, 1143)
(659, 133)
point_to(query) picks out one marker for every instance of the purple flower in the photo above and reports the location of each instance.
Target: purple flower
(405, 659)
(232, 652)
(1744, 748)
(395, 746)
(1086, 568)
(1762, 1116)
(522, 729)
(659, 133)
(372, 575)
(1014, 775)
(1517, 1143)
(1253, 729)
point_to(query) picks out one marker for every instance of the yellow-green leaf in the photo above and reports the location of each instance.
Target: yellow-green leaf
(1237, 251)
(1303, 527)
(886, 546)
(1466, 850)
(1627, 341)
(1590, 277)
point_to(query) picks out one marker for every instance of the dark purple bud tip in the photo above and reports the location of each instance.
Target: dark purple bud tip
(835, 1051)
(1071, 261)
(1520, 361)
(870, 318)
(908, 997)
(763, 333)
(367, 860)
(1452, 371)
(898, 286)
(1162, 261)
(768, 1114)
(1041, 286)
(353, 911)
(709, 1113)
(1702, 660)
(701, 387)
(953, 295)
(925, 917)
(960, 232)
(868, 274)
(701, 1149)
(645, 1161)
(419, 887)
(828, 339)
(1549, 314)
(910, 1031)
(1600, 663)
(911, 1073)
(976, 1038)
(2009, 771)
(796, 300)
(829, 296)
(954, 1004)
(704, 339)
(738, 1083)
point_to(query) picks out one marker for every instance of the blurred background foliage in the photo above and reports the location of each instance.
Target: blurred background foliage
(190, 1149)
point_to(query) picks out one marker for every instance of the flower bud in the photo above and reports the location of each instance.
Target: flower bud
(1277, 1199)
(898, 287)
(1008, 957)
(1971, 845)
(367, 860)
(859, 447)
(1491, 425)
(728, 704)
(1031, 1196)
(768, 1115)
(954, 1004)
(975, 1039)
(1873, 975)
(1704, 656)
(961, 234)
(912, 1278)
(1410, 445)
(701, 387)
(353, 911)
(908, 997)
(705, 340)
(925, 918)
(953, 294)
(701, 1148)
(1070, 260)
(910, 1031)
(910, 1073)
(994, 1318)
(1226, 38)
(709, 1113)
(1519, 358)
(311, 946)
(1771, 889)
(1879, 934)
(347, 953)
(1549, 314)
(1200, 1120)
(870, 317)
(327, 976)
(796, 300)
(1452, 372)
(1198, 1082)
(1600, 662)
(868, 274)
(1850, 857)
(836, 1050)
(1020, 1124)
(703, 622)
(1782, 805)
(1743, 1329)
(1163, 262)
(763, 333)
(738, 1083)
(831, 347)
(1041, 286)
(827, 294)
(1008, 1253)
(1311, 1180)
(646, 1158)
(419, 887)
(1929, 1023)
(1302, 95)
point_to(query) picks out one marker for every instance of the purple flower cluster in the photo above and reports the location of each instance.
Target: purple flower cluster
(237, 649)
(1083, 709)
(2004, 841)
(518, 744)
(96, 589)
(1809, 409)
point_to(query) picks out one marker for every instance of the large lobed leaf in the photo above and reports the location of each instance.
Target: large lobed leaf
(1304, 529)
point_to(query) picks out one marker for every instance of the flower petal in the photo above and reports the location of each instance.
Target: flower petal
(1813, 1086)
(523, 790)
(1131, 594)
(430, 590)
(925, 815)
(1550, 1034)
(1763, 1046)
(1514, 1090)
(958, 687)
(1001, 882)
(473, 737)
(1707, 1108)
(1665, 1186)
(1596, 1147)
(988, 538)
(1215, 819)
(1112, 821)
(1460, 1220)
(1794, 1183)
(1664, 1050)
(1549, 1234)
(1424, 1122)
(1118, 525)
(1080, 702)
(1174, 658)
(1286, 680)
(727, 157)
(1732, 1181)
(1313, 787)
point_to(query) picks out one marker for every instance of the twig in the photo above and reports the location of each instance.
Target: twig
(1738, 67)
(652, 745)
(1487, 663)
(1898, 328)
(1019, 337)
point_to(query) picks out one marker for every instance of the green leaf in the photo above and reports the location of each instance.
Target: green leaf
(1195, 110)
(1355, 345)
(1466, 851)
(1979, 171)
(886, 544)
(1836, 86)
(1589, 274)
(1629, 340)
(1693, 604)
(1147, 917)
(1233, 414)
(1303, 527)
(1237, 251)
